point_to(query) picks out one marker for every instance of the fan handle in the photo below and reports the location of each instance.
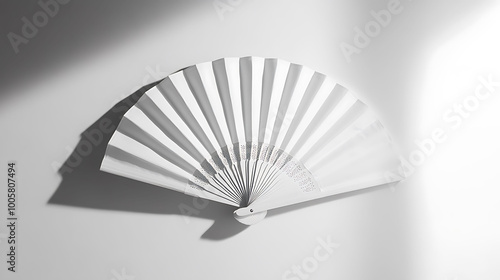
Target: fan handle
(248, 217)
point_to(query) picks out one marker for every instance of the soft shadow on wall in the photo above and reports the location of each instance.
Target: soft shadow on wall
(84, 185)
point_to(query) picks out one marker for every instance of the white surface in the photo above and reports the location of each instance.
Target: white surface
(441, 223)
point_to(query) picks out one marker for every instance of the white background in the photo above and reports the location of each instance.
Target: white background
(442, 223)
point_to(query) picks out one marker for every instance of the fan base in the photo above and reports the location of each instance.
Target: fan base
(250, 219)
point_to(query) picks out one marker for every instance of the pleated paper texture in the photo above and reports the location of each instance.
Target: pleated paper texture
(254, 133)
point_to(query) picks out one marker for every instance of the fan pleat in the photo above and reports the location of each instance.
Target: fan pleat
(175, 100)
(151, 110)
(209, 83)
(346, 120)
(322, 117)
(120, 154)
(296, 95)
(197, 90)
(282, 69)
(309, 95)
(233, 78)
(219, 70)
(246, 95)
(270, 66)
(134, 132)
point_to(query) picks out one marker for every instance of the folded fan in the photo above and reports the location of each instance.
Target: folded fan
(255, 133)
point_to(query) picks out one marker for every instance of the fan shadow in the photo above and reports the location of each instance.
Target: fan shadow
(84, 185)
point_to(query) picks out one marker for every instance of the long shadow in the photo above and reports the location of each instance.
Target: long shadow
(84, 185)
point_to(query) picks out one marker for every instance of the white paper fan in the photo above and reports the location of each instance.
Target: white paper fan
(254, 133)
